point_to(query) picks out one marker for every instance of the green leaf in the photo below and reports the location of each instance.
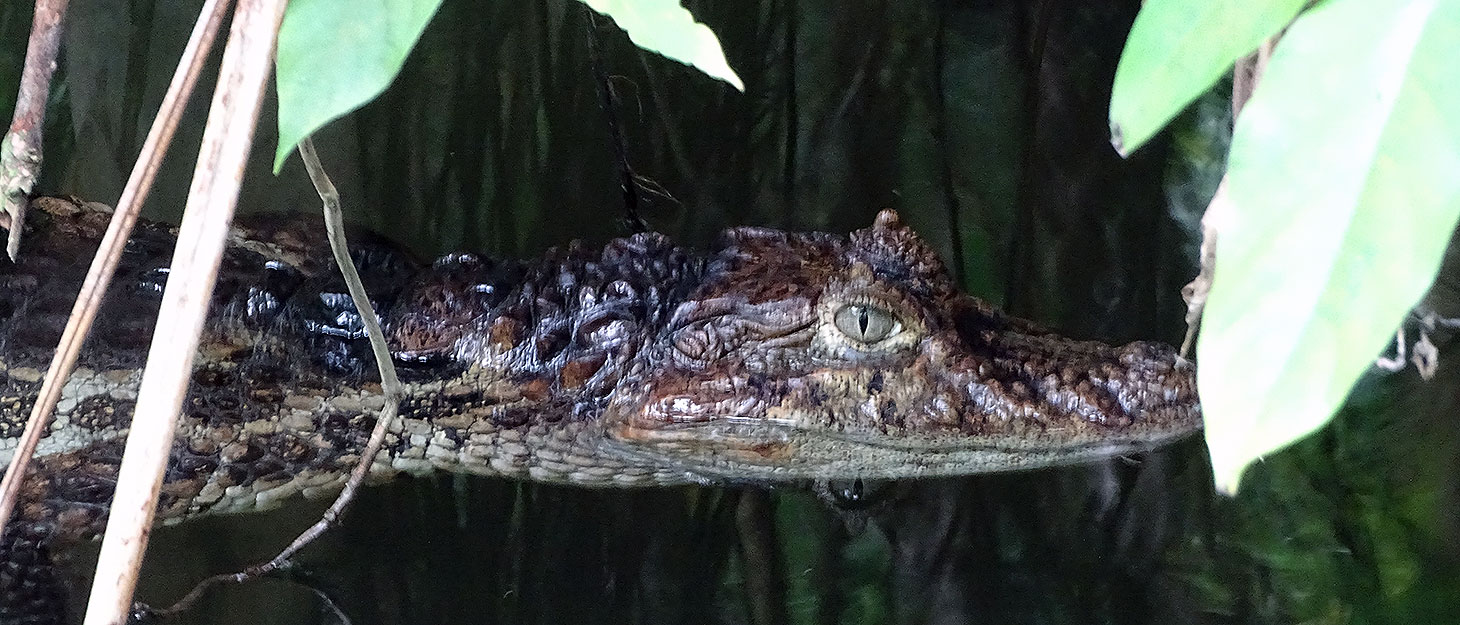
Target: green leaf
(334, 56)
(1176, 50)
(665, 27)
(1342, 193)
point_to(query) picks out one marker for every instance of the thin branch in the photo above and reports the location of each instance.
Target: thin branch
(334, 222)
(109, 253)
(1245, 76)
(1195, 292)
(608, 99)
(1248, 72)
(20, 151)
(227, 138)
(1401, 354)
(389, 383)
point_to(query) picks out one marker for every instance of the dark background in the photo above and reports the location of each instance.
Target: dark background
(984, 124)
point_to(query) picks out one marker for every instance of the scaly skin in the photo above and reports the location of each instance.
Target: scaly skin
(777, 356)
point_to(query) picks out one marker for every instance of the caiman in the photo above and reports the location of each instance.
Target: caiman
(772, 357)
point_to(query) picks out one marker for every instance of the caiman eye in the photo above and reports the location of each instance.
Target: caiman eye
(865, 324)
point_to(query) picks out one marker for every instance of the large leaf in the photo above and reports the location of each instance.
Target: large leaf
(335, 56)
(665, 27)
(1343, 190)
(1176, 50)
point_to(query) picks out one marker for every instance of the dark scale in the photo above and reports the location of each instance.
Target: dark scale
(102, 412)
(257, 305)
(122, 332)
(343, 431)
(568, 321)
(33, 591)
(442, 301)
(322, 316)
(16, 400)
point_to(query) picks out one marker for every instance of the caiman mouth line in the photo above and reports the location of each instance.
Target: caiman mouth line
(752, 430)
(734, 455)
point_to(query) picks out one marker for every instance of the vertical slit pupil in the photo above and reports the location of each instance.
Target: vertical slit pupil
(863, 320)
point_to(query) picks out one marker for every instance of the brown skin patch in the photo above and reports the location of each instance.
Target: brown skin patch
(417, 337)
(772, 451)
(577, 372)
(505, 332)
(536, 389)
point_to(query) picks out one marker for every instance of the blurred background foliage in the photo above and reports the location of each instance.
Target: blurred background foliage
(984, 123)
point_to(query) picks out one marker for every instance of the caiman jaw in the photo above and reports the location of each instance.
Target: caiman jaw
(976, 413)
(1035, 390)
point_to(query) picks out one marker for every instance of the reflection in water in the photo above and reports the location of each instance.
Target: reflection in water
(1069, 545)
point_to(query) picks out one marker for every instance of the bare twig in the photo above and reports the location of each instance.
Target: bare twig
(20, 151)
(1245, 76)
(1401, 354)
(1195, 292)
(334, 606)
(390, 385)
(104, 263)
(608, 99)
(227, 139)
(1424, 354)
(1426, 357)
(334, 222)
(1248, 72)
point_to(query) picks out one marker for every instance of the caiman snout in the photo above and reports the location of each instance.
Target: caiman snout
(860, 358)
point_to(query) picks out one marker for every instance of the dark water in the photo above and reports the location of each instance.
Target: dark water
(1054, 546)
(984, 124)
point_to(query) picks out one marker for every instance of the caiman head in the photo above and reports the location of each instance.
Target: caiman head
(808, 356)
